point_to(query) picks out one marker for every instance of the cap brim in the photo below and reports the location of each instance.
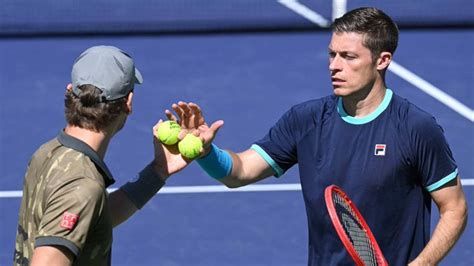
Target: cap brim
(138, 77)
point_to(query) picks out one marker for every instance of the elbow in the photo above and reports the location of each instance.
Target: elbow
(234, 184)
(465, 213)
(463, 210)
(461, 215)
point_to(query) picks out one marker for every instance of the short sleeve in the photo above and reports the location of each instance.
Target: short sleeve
(71, 209)
(278, 146)
(433, 160)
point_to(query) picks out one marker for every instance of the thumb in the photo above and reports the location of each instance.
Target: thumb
(216, 126)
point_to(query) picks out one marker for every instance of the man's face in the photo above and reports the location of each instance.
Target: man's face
(350, 63)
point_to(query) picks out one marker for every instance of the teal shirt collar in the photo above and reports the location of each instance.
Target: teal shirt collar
(366, 119)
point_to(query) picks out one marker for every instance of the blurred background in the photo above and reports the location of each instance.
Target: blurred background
(242, 61)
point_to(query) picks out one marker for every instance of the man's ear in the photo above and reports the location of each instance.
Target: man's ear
(69, 87)
(384, 60)
(129, 102)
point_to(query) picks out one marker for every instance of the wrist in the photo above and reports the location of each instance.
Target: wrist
(217, 163)
(144, 186)
(206, 151)
(159, 171)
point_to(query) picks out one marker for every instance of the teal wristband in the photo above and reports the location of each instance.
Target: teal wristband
(217, 163)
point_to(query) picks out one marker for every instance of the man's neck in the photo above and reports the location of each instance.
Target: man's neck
(366, 102)
(98, 141)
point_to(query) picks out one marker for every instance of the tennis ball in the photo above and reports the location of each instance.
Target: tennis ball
(190, 146)
(168, 132)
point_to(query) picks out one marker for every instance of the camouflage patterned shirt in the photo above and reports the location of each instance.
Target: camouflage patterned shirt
(65, 203)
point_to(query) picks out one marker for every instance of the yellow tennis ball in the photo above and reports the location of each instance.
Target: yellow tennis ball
(168, 132)
(190, 146)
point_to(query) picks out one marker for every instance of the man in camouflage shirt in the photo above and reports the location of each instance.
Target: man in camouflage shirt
(66, 215)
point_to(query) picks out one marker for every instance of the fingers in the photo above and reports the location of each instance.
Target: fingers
(195, 108)
(198, 117)
(170, 116)
(182, 109)
(187, 111)
(178, 110)
(216, 126)
(188, 115)
(182, 134)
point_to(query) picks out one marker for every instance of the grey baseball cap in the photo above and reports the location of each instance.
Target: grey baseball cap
(109, 69)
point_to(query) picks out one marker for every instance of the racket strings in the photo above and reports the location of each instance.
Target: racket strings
(355, 231)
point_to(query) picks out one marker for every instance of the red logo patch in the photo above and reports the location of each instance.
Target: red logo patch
(69, 220)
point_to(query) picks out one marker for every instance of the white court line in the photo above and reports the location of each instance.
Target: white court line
(222, 188)
(467, 182)
(432, 90)
(215, 189)
(446, 99)
(339, 8)
(196, 189)
(306, 12)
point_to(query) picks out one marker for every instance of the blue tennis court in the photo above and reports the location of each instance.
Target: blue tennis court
(248, 79)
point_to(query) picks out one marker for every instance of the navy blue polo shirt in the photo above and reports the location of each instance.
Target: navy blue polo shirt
(388, 163)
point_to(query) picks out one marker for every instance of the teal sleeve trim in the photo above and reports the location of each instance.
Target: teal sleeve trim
(276, 168)
(217, 163)
(364, 120)
(443, 181)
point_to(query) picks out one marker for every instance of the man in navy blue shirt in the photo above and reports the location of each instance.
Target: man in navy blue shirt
(391, 157)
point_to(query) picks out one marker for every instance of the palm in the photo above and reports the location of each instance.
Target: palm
(167, 157)
(206, 134)
(192, 121)
(189, 116)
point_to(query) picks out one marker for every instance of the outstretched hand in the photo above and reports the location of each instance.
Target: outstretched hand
(168, 160)
(189, 117)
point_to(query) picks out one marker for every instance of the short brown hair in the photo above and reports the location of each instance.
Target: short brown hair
(381, 33)
(89, 111)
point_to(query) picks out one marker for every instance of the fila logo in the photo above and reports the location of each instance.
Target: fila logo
(380, 149)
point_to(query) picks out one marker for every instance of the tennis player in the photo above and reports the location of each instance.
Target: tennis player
(66, 215)
(389, 155)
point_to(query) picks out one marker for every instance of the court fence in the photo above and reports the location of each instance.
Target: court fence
(69, 17)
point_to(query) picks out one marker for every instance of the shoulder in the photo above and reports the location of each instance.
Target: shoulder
(411, 115)
(72, 172)
(414, 121)
(315, 110)
(76, 189)
(44, 151)
(304, 117)
(69, 164)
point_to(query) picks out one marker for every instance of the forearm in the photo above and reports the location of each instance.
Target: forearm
(132, 196)
(51, 255)
(448, 230)
(235, 169)
(247, 169)
(121, 207)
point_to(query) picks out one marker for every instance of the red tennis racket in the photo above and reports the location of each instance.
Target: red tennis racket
(352, 229)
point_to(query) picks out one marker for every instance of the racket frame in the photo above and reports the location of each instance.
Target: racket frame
(340, 230)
